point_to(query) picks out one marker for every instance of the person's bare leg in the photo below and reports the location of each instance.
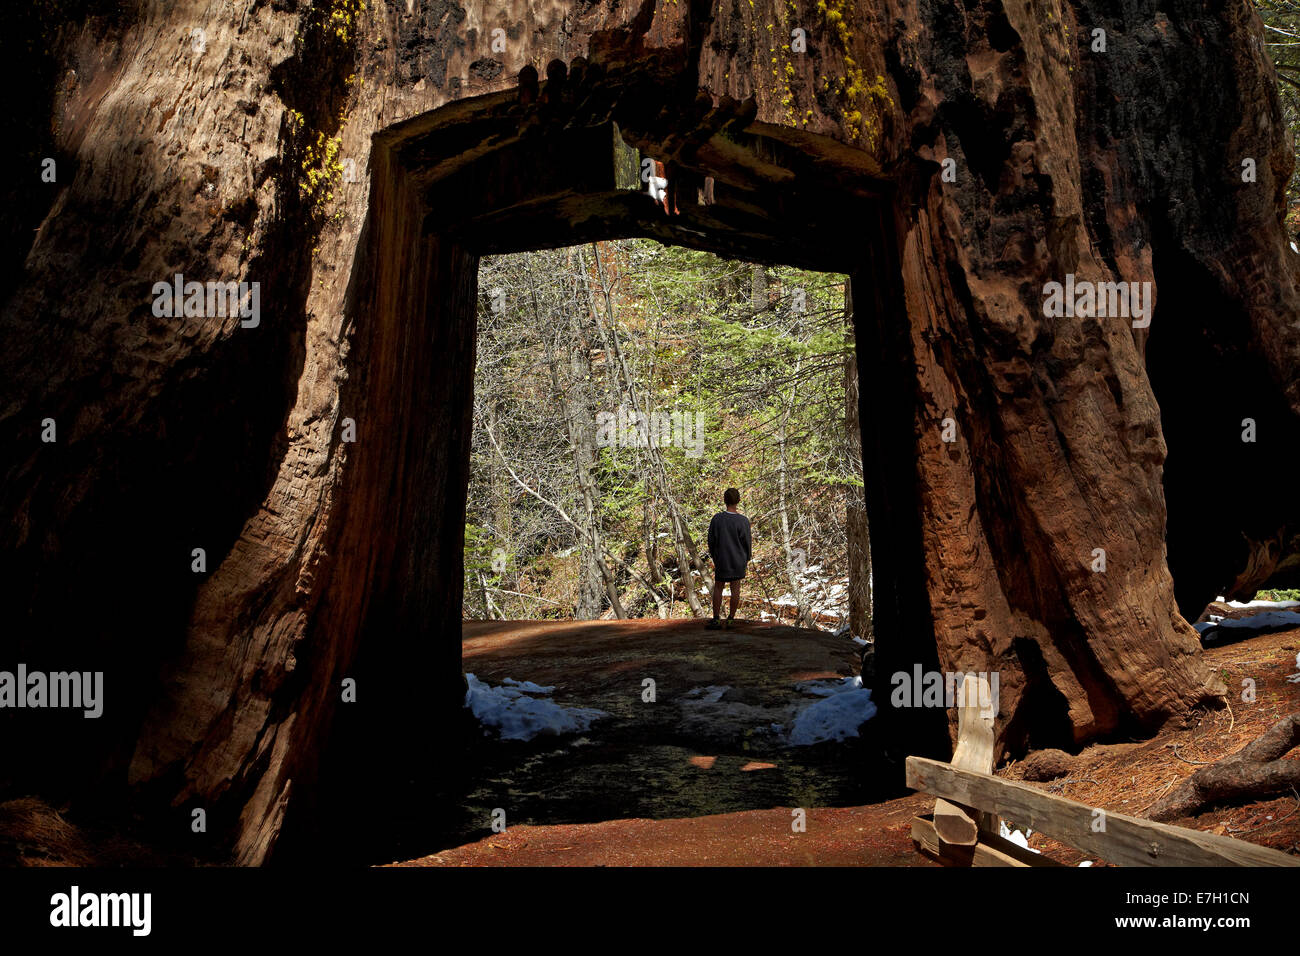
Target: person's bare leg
(735, 600)
(717, 599)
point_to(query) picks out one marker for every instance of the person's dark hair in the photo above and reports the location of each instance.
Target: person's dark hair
(731, 497)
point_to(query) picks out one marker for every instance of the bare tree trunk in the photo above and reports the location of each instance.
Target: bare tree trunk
(684, 565)
(489, 606)
(594, 570)
(568, 519)
(758, 288)
(594, 575)
(855, 505)
(793, 566)
(654, 566)
(503, 530)
(687, 554)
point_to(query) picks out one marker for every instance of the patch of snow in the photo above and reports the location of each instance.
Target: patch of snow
(1256, 622)
(825, 595)
(825, 688)
(843, 708)
(520, 717)
(1015, 836)
(528, 686)
(1085, 862)
(1276, 605)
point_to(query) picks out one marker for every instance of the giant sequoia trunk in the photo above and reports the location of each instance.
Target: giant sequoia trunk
(952, 158)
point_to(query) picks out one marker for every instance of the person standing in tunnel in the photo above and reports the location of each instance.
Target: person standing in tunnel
(731, 550)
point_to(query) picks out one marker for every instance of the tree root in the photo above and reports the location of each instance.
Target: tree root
(1255, 770)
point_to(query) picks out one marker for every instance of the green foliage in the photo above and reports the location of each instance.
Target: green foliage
(479, 548)
(1282, 38)
(757, 354)
(1282, 594)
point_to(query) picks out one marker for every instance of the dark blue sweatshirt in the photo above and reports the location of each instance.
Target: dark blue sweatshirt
(729, 544)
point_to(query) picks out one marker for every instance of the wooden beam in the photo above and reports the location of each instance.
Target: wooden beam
(1120, 839)
(990, 850)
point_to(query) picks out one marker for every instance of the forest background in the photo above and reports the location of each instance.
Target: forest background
(622, 386)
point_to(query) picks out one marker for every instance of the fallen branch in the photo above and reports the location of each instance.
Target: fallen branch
(588, 534)
(531, 597)
(1254, 771)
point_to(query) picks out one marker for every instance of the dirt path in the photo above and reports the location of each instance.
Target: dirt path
(606, 660)
(875, 835)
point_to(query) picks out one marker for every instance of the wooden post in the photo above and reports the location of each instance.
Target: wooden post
(976, 709)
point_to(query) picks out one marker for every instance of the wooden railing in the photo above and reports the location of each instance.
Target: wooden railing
(963, 830)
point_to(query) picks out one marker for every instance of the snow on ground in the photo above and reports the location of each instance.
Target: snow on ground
(518, 716)
(1022, 839)
(825, 594)
(844, 706)
(726, 713)
(1268, 615)
(1255, 622)
(1274, 605)
(1015, 836)
(527, 686)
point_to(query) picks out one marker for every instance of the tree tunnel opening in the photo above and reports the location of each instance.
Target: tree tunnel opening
(548, 168)
(620, 387)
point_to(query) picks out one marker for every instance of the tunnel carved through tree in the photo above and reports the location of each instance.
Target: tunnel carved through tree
(330, 559)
